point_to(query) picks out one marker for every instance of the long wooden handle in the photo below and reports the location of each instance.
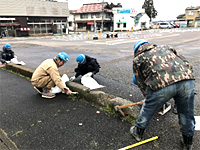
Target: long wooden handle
(129, 105)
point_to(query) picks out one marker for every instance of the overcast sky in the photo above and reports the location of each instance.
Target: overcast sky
(167, 9)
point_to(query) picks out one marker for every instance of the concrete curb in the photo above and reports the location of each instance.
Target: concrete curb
(98, 97)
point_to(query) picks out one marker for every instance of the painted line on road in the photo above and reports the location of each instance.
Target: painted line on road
(111, 43)
(122, 41)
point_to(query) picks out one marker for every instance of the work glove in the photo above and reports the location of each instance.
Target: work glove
(72, 78)
(67, 91)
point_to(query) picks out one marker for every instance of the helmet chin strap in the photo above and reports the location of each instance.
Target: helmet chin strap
(56, 61)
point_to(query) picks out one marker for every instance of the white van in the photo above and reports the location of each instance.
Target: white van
(164, 25)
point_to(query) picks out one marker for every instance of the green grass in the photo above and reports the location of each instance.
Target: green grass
(16, 73)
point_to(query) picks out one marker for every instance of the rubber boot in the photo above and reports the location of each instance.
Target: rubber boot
(187, 142)
(137, 133)
(175, 109)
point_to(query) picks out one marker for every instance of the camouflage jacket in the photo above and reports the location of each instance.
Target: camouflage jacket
(159, 66)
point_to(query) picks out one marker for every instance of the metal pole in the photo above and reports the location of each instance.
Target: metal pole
(34, 27)
(102, 15)
(95, 26)
(46, 27)
(40, 29)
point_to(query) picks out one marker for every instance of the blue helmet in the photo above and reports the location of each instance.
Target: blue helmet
(63, 56)
(7, 46)
(80, 58)
(140, 42)
(134, 80)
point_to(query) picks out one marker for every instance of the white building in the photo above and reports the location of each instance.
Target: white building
(130, 19)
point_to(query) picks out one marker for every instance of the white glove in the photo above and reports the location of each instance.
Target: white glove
(72, 78)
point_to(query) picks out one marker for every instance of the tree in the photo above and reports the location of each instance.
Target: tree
(149, 9)
(113, 5)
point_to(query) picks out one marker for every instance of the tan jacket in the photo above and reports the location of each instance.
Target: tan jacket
(48, 68)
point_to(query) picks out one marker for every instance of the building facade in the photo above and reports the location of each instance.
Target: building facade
(26, 17)
(130, 19)
(192, 16)
(92, 17)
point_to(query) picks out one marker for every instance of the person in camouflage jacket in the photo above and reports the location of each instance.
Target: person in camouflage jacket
(161, 74)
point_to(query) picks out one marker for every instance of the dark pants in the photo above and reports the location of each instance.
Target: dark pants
(183, 94)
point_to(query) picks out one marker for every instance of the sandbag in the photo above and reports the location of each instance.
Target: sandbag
(56, 89)
(15, 61)
(89, 82)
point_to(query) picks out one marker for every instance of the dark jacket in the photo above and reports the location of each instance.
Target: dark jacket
(156, 67)
(91, 65)
(6, 55)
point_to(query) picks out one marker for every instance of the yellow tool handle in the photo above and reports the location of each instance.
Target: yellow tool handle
(139, 143)
(74, 92)
(133, 104)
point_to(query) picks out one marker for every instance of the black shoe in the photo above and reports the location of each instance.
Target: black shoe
(187, 142)
(175, 110)
(137, 133)
(39, 90)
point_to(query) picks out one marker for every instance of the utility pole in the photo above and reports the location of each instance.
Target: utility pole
(102, 15)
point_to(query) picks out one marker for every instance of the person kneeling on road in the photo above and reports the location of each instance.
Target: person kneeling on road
(47, 76)
(161, 74)
(7, 54)
(86, 64)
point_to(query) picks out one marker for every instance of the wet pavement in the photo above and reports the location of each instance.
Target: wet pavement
(60, 123)
(32, 122)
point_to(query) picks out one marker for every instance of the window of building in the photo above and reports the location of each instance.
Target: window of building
(190, 13)
(82, 25)
(190, 22)
(108, 15)
(70, 24)
(96, 14)
(84, 16)
(124, 25)
(118, 25)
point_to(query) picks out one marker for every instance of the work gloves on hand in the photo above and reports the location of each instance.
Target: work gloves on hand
(89, 74)
(67, 91)
(72, 78)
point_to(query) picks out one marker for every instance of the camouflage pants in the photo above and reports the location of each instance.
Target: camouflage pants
(183, 94)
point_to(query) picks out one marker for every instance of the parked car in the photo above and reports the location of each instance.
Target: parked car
(175, 25)
(154, 26)
(164, 25)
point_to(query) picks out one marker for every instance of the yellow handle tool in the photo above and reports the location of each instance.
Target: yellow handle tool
(139, 143)
(74, 93)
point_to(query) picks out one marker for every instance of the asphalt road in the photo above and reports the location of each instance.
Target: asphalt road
(59, 123)
(115, 57)
(32, 122)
